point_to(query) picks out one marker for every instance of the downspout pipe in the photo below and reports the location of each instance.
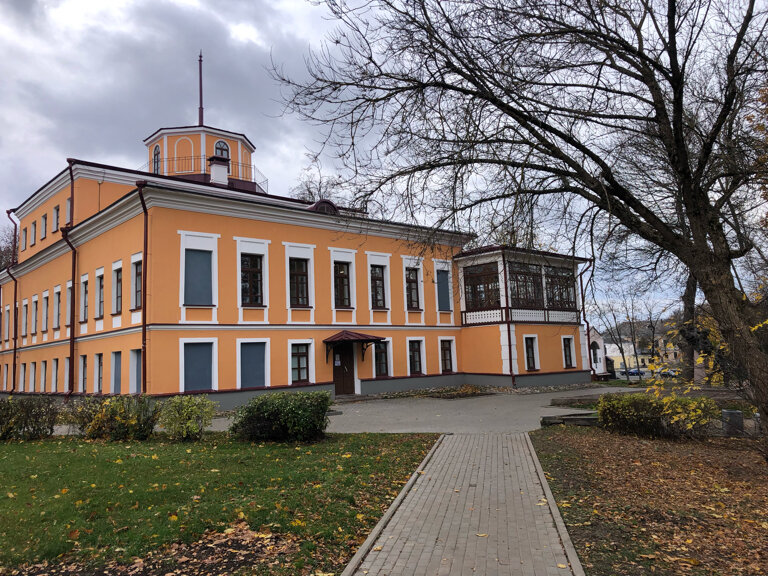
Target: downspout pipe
(65, 235)
(140, 184)
(508, 320)
(584, 313)
(14, 260)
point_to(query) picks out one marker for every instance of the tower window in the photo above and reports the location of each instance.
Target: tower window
(221, 149)
(156, 160)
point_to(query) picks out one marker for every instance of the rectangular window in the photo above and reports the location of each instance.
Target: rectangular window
(32, 376)
(23, 377)
(198, 366)
(136, 285)
(446, 355)
(33, 234)
(382, 359)
(530, 353)
(198, 277)
(135, 371)
(568, 352)
(98, 373)
(5, 378)
(6, 323)
(341, 290)
(34, 317)
(378, 297)
(83, 373)
(481, 287)
(525, 286)
(43, 375)
(43, 226)
(45, 312)
(24, 318)
(55, 223)
(117, 291)
(69, 310)
(414, 356)
(116, 372)
(66, 373)
(68, 211)
(299, 281)
(561, 288)
(57, 309)
(444, 291)
(55, 375)
(253, 364)
(83, 300)
(299, 363)
(412, 288)
(99, 296)
(251, 280)
(24, 239)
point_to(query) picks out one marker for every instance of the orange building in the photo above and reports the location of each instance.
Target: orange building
(189, 277)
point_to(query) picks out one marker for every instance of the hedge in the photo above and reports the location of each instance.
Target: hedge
(301, 416)
(28, 418)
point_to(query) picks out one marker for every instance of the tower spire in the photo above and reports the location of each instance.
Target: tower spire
(200, 80)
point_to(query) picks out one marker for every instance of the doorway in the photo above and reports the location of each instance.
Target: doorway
(344, 368)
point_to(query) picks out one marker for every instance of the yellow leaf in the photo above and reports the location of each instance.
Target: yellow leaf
(359, 516)
(240, 515)
(11, 495)
(562, 566)
(377, 549)
(155, 457)
(482, 535)
(64, 490)
(347, 455)
(173, 517)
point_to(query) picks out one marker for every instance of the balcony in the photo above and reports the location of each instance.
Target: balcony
(196, 168)
(530, 315)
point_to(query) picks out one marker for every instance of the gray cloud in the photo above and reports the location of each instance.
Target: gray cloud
(80, 81)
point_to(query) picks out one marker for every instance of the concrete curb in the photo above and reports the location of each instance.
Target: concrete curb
(562, 531)
(362, 552)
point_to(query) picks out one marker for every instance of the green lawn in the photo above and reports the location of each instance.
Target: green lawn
(96, 502)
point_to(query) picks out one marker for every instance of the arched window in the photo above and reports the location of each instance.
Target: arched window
(156, 160)
(221, 149)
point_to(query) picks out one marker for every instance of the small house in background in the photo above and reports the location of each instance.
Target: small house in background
(597, 353)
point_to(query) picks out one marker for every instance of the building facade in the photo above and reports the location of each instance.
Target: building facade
(188, 276)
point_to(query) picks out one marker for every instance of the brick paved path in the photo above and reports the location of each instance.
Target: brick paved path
(478, 507)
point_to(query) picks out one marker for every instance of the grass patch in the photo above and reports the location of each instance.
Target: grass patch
(635, 506)
(96, 502)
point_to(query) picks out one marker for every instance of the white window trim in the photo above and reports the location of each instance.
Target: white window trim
(197, 241)
(267, 363)
(7, 322)
(96, 372)
(23, 377)
(56, 310)
(253, 246)
(380, 259)
(311, 359)
(5, 377)
(34, 311)
(55, 220)
(414, 262)
(117, 319)
(24, 318)
(215, 360)
(55, 375)
(423, 349)
(24, 239)
(113, 372)
(67, 360)
(390, 363)
(135, 314)
(81, 313)
(454, 360)
(33, 233)
(306, 252)
(535, 351)
(573, 351)
(344, 255)
(447, 266)
(134, 370)
(45, 318)
(33, 377)
(43, 226)
(82, 376)
(43, 374)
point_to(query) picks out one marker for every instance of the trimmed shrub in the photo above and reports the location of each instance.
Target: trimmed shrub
(29, 418)
(663, 417)
(81, 411)
(116, 418)
(185, 418)
(299, 416)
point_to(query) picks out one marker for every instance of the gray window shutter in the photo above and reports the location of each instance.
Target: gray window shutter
(198, 366)
(198, 279)
(443, 291)
(252, 357)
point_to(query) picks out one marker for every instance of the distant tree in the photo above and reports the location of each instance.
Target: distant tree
(7, 244)
(314, 185)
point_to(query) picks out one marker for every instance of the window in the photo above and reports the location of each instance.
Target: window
(378, 297)
(444, 291)
(221, 149)
(6, 322)
(568, 352)
(299, 363)
(56, 307)
(98, 373)
(84, 300)
(414, 356)
(299, 281)
(45, 312)
(68, 318)
(117, 290)
(23, 377)
(595, 352)
(253, 364)
(412, 288)
(341, 285)
(83, 373)
(382, 359)
(198, 277)
(55, 223)
(251, 280)
(43, 226)
(34, 315)
(525, 286)
(156, 160)
(24, 318)
(55, 375)
(561, 288)
(33, 234)
(66, 374)
(100, 296)
(43, 375)
(136, 285)
(68, 210)
(446, 355)
(481, 287)
(531, 356)
(198, 370)
(135, 371)
(24, 239)
(116, 371)
(32, 376)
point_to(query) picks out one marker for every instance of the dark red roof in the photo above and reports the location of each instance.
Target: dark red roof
(349, 336)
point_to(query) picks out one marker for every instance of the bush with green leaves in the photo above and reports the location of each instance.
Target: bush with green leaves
(301, 416)
(185, 418)
(28, 418)
(115, 418)
(668, 416)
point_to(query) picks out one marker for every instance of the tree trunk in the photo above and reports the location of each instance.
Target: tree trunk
(689, 321)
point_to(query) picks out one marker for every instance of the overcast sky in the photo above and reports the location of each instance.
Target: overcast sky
(90, 79)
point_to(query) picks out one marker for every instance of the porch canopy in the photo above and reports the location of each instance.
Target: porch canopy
(348, 336)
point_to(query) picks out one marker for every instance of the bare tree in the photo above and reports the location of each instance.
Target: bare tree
(625, 116)
(7, 247)
(611, 324)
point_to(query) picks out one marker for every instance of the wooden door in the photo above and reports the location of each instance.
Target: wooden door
(344, 369)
